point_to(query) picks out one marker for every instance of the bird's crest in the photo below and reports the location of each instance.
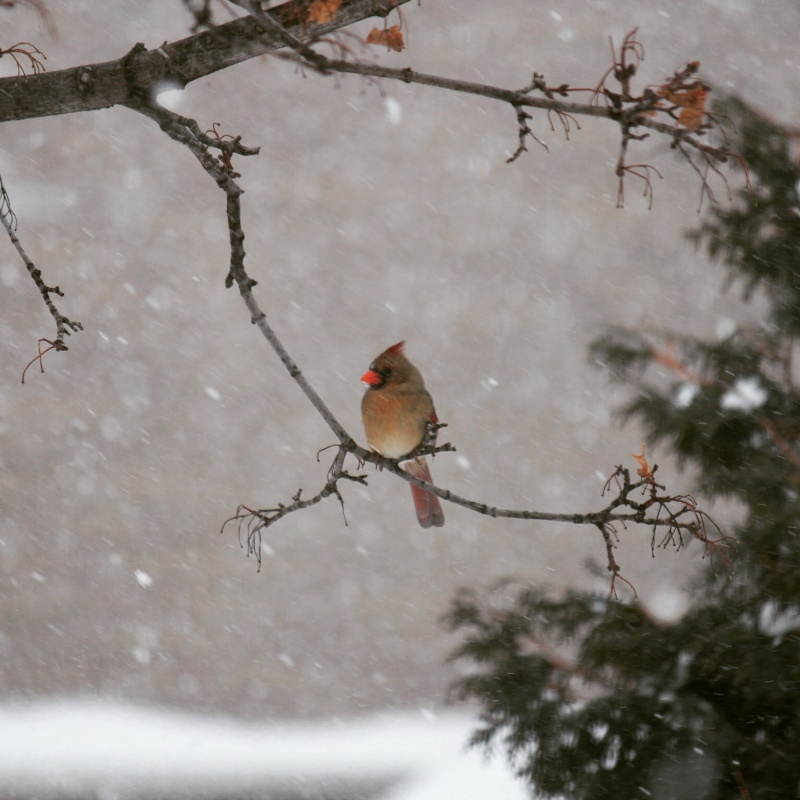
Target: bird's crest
(395, 349)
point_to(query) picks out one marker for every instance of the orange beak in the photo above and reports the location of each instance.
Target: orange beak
(371, 377)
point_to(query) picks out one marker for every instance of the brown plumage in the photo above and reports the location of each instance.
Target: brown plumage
(396, 410)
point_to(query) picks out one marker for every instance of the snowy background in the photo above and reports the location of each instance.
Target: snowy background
(369, 219)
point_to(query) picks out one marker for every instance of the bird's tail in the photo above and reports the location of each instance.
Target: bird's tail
(429, 511)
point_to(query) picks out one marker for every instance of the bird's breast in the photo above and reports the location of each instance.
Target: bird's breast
(394, 423)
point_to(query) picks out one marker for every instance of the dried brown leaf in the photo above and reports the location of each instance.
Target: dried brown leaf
(391, 37)
(644, 470)
(323, 11)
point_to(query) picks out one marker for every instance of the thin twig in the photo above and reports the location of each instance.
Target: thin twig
(64, 325)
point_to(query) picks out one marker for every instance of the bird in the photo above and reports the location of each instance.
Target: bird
(397, 412)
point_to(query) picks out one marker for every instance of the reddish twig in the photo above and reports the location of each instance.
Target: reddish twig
(25, 50)
(56, 345)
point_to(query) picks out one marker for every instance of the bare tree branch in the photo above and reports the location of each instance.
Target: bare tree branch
(141, 71)
(679, 515)
(133, 81)
(64, 325)
(139, 75)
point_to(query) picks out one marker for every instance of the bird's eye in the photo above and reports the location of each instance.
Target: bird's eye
(386, 372)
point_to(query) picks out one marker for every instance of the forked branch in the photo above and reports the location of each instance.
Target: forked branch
(640, 502)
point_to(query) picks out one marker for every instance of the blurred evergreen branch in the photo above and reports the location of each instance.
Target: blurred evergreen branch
(709, 706)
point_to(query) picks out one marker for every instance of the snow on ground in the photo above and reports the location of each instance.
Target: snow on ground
(106, 750)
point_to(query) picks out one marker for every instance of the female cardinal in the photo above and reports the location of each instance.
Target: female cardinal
(396, 410)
